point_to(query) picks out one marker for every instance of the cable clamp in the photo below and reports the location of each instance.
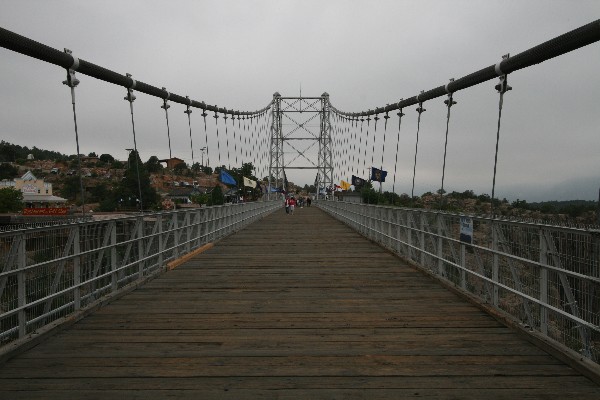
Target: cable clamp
(498, 68)
(75, 65)
(420, 109)
(165, 106)
(446, 86)
(188, 111)
(449, 101)
(130, 96)
(72, 81)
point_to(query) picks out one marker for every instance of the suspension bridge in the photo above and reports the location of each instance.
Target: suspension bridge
(337, 300)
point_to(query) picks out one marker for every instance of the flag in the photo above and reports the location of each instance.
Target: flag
(357, 182)
(249, 182)
(378, 175)
(345, 185)
(226, 178)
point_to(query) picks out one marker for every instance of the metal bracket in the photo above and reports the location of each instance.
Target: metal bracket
(502, 87)
(165, 106)
(449, 101)
(72, 81)
(420, 109)
(130, 97)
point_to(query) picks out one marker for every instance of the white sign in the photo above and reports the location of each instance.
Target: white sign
(466, 229)
(29, 189)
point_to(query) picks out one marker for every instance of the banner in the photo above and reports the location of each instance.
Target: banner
(226, 178)
(357, 182)
(378, 175)
(345, 185)
(249, 182)
(46, 211)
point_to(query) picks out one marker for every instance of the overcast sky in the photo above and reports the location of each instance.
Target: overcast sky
(365, 54)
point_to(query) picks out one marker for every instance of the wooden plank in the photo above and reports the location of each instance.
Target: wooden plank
(291, 307)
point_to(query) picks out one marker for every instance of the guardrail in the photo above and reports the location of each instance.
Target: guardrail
(53, 272)
(546, 277)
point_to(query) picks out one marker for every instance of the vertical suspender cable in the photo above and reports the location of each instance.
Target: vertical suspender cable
(166, 106)
(188, 111)
(216, 117)
(227, 139)
(131, 98)
(72, 83)
(374, 140)
(366, 145)
(502, 88)
(400, 115)
(386, 117)
(449, 103)
(204, 114)
(420, 110)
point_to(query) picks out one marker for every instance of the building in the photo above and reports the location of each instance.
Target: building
(36, 192)
(172, 162)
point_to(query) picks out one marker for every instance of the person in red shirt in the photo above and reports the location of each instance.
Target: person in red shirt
(292, 203)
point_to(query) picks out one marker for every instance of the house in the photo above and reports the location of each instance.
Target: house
(182, 194)
(36, 192)
(172, 162)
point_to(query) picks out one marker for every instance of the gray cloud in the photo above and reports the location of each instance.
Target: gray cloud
(364, 54)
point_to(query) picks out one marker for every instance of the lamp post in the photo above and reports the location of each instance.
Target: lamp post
(203, 149)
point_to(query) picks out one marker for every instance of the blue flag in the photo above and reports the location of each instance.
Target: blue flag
(226, 178)
(378, 175)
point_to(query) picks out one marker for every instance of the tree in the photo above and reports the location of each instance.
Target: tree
(180, 168)
(153, 165)
(71, 188)
(107, 158)
(216, 196)
(11, 200)
(92, 154)
(127, 193)
(8, 171)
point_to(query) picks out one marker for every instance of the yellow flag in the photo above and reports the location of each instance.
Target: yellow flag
(345, 185)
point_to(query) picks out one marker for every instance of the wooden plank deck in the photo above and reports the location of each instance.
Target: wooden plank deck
(292, 307)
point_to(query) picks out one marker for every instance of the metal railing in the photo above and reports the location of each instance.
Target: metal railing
(52, 272)
(546, 277)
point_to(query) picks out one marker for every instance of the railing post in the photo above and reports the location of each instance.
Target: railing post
(495, 267)
(140, 241)
(409, 224)
(77, 268)
(543, 284)
(175, 235)
(21, 288)
(440, 247)
(463, 264)
(161, 242)
(422, 239)
(114, 261)
(188, 231)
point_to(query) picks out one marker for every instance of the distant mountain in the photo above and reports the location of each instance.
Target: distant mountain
(585, 188)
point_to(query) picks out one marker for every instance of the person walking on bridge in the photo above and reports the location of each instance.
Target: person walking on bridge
(292, 202)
